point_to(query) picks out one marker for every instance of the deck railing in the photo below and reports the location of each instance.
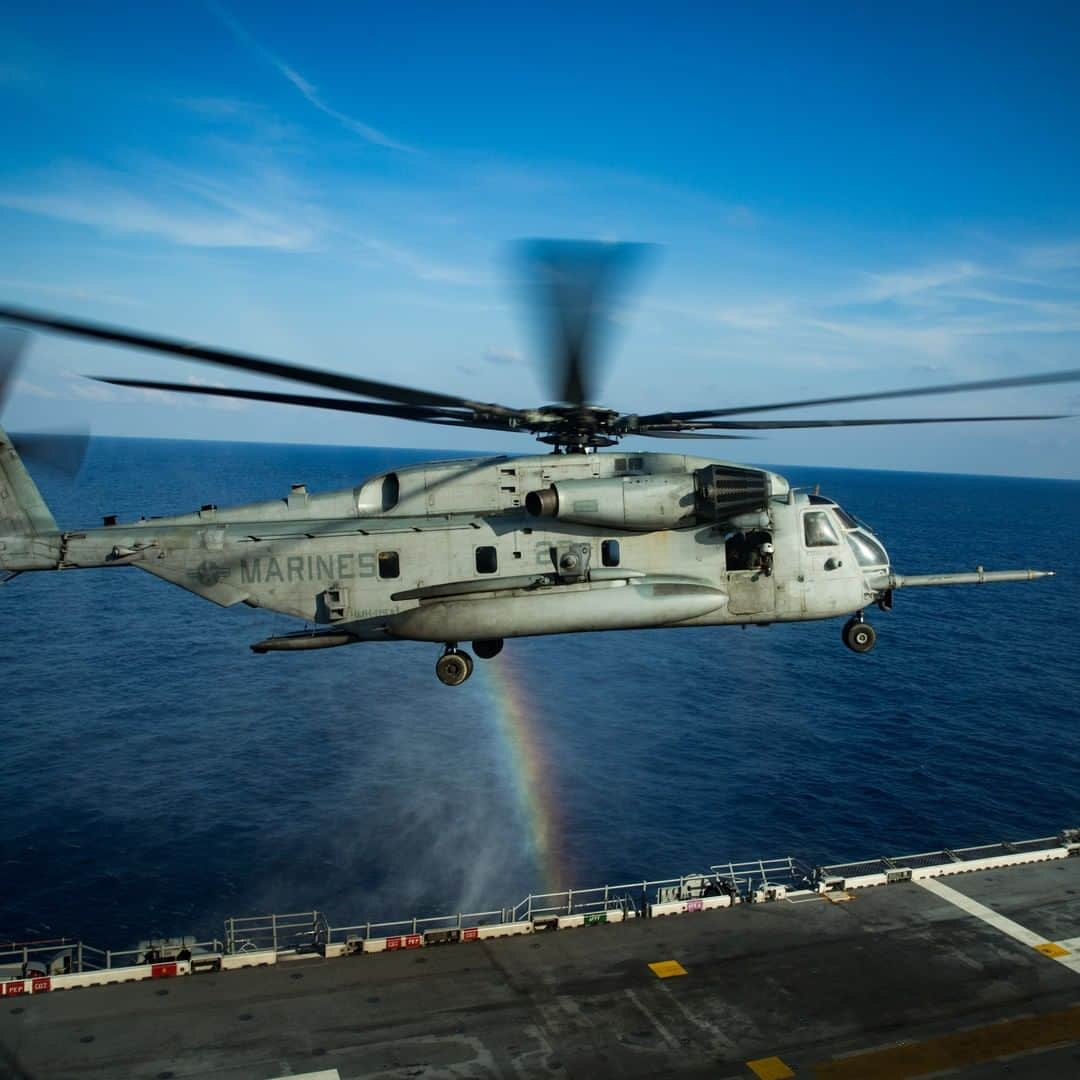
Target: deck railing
(308, 931)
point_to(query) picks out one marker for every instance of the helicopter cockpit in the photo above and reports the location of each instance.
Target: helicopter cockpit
(820, 531)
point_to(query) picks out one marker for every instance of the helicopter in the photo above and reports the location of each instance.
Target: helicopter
(580, 538)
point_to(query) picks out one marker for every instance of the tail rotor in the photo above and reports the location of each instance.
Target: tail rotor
(63, 451)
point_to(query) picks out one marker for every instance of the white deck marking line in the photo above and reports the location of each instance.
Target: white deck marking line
(651, 1017)
(1072, 944)
(718, 1037)
(324, 1074)
(996, 920)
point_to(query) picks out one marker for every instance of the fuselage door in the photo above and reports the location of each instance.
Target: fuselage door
(829, 573)
(750, 583)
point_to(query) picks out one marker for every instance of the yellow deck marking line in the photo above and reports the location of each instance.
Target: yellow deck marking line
(958, 1049)
(770, 1068)
(1052, 949)
(1001, 922)
(667, 969)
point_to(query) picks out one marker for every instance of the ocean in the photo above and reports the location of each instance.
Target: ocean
(159, 777)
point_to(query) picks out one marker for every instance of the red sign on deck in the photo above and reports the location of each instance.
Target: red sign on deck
(470, 935)
(393, 943)
(162, 971)
(413, 941)
(41, 986)
(694, 905)
(10, 989)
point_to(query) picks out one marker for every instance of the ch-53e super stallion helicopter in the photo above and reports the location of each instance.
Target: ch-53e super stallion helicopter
(498, 547)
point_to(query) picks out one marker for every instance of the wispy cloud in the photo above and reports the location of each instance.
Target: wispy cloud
(1062, 256)
(255, 124)
(217, 106)
(188, 212)
(931, 341)
(83, 293)
(423, 266)
(74, 386)
(503, 357)
(903, 284)
(306, 89)
(940, 315)
(24, 386)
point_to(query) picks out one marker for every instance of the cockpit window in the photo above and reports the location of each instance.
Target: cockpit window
(868, 552)
(845, 518)
(818, 529)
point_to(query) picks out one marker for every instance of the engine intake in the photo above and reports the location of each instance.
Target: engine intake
(727, 491)
(717, 493)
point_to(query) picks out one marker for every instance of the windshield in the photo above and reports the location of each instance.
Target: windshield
(845, 518)
(868, 552)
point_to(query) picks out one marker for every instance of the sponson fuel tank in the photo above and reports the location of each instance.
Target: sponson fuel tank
(641, 602)
(716, 493)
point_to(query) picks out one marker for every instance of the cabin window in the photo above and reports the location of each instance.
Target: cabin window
(637, 464)
(389, 564)
(487, 560)
(620, 464)
(609, 552)
(391, 489)
(818, 530)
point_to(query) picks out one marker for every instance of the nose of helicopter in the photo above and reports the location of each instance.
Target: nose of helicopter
(869, 551)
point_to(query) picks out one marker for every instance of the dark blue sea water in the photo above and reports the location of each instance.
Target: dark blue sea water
(159, 777)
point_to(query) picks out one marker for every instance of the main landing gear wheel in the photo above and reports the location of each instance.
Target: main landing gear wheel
(453, 667)
(859, 636)
(489, 648)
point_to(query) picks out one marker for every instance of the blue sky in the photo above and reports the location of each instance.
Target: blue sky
(843, 200)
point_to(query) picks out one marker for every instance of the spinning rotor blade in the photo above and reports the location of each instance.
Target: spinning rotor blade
(689, 434)
(777, 425)
(574, 285)
(12, 345)
(61, 450)
(1045, 379)
(374, 408)
(254, 364)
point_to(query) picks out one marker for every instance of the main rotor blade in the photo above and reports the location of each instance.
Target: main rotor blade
(1045, 379)
(576, 282)
(658, 434)
(257, 365)
(374, 408)
(777, 425)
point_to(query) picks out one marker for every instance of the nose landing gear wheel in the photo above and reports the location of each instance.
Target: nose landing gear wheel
(453, 667)
(489, 648)
(859, 636)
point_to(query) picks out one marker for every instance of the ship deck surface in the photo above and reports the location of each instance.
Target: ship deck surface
(909, 979)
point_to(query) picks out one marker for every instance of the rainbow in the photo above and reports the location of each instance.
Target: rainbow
(529, 769)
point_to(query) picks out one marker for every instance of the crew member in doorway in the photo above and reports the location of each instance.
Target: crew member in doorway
(765, 555)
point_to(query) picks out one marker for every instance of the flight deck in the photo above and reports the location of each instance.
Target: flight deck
(938, 970)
